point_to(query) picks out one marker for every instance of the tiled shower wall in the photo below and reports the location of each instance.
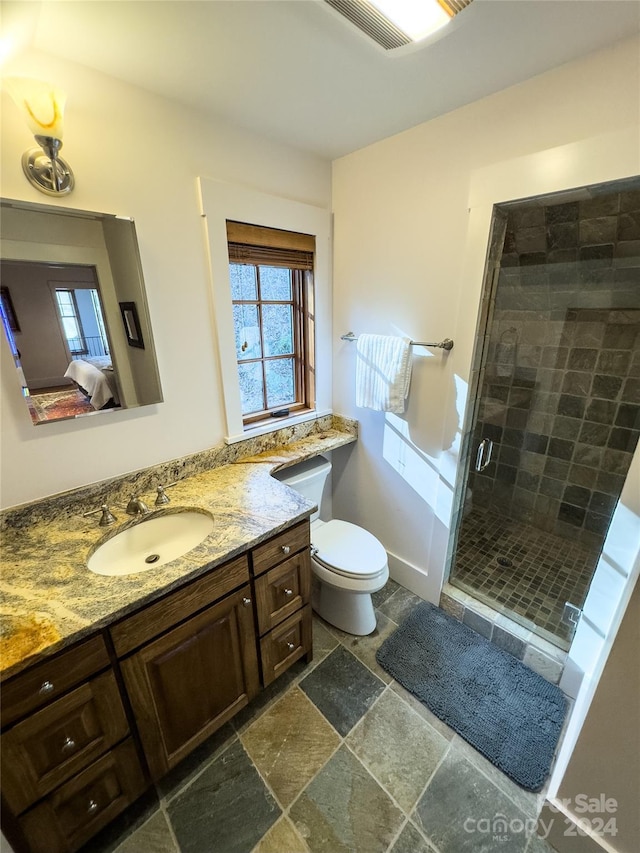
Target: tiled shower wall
(560, 397)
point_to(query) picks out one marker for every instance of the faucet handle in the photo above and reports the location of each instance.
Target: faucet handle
(107, 518)
(163, 497)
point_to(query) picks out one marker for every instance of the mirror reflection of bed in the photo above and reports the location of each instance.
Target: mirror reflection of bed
(54, 321)
(95, 378)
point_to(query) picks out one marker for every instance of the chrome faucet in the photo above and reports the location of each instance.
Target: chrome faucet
(137, 506)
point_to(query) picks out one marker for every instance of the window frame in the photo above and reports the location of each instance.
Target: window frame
(220, 202)
(264, 250)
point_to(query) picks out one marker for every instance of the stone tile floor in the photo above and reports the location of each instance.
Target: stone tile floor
(335, 757)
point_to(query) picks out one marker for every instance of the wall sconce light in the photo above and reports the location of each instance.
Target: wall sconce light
(43, 106)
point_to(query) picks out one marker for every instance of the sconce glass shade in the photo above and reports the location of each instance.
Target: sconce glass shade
(42, 106)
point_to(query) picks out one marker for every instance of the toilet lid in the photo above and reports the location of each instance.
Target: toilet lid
(348, 550)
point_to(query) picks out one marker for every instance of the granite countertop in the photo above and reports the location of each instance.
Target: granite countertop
(48, 597)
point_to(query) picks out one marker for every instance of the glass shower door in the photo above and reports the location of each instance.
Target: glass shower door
(557, 417)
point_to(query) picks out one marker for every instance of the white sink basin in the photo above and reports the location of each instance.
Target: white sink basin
(151, 543)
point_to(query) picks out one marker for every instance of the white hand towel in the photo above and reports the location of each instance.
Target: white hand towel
(383, 372)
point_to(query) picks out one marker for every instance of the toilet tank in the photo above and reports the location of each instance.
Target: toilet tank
(308, 478)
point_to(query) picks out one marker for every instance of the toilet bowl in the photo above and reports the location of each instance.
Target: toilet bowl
(348, 563)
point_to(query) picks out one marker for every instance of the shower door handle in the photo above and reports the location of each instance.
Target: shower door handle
(483, 456)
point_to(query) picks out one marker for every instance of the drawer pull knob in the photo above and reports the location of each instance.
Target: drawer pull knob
(286, 549)
(92, 808)
(69, 744)
(246, 601)
(290, 646)
(45, 688)
(288, 592)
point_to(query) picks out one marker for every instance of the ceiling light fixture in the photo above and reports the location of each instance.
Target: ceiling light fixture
(416, 18)
(395, 23)
(42, 106)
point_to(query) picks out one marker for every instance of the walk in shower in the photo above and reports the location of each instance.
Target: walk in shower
(556, 417)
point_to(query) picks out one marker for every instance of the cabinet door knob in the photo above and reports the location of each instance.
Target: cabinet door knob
(246, 601)
(290, 646)
(288, 592)
(45, 687)
(92, 808)
(286, 549)
(69, 744)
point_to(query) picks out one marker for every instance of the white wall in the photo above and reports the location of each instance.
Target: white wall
(139, 155)
(600, 747)
(410, 235)
(606, 757)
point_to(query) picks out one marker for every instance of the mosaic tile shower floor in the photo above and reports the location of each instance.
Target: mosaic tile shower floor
(543, 573)
(334, 757)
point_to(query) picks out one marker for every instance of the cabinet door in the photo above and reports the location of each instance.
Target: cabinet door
(48, 680)
(280, 547)
(187, 683)
(64, 820)
(51, 745)
(286, 644)
(283, 590)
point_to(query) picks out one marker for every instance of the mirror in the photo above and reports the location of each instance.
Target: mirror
(74, 311)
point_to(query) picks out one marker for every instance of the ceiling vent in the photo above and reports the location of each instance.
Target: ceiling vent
(454, 6)
(377, 26)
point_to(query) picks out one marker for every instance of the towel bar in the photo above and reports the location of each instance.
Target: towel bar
(447, 343)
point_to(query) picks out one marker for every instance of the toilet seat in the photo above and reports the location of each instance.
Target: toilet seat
(347, 549)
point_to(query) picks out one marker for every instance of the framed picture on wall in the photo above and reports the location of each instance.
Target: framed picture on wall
(8, 309)
(131, 324)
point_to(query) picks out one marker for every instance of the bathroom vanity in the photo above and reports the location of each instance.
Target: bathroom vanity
(85, 731)
(109, 682)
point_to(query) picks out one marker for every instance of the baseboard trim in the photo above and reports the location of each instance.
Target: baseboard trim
(414, 578)
(570, 833)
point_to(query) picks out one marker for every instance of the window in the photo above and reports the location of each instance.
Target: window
(82, 320)
(224, 208)
(271, 276)
(68, 308)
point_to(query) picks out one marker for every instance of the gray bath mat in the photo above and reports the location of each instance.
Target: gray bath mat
(505, 710)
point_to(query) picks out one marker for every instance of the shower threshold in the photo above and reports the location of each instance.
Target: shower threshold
(523, 571)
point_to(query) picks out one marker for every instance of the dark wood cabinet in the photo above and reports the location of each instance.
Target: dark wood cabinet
(45, 681)
(282, 591)
(67, 818)
(69, 763)
(51, 745)
(187, 683)
(166, 613)
(281, 569)
(286, 644)
(180, 667)
(273, 551)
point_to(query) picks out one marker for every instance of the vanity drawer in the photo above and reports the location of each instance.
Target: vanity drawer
(286, 644)
(283, 590)
(51, 678)
(69, 816)
(173, 608)
(276, 550)
(58, 741)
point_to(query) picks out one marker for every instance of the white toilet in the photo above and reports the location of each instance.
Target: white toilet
(348, 562)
